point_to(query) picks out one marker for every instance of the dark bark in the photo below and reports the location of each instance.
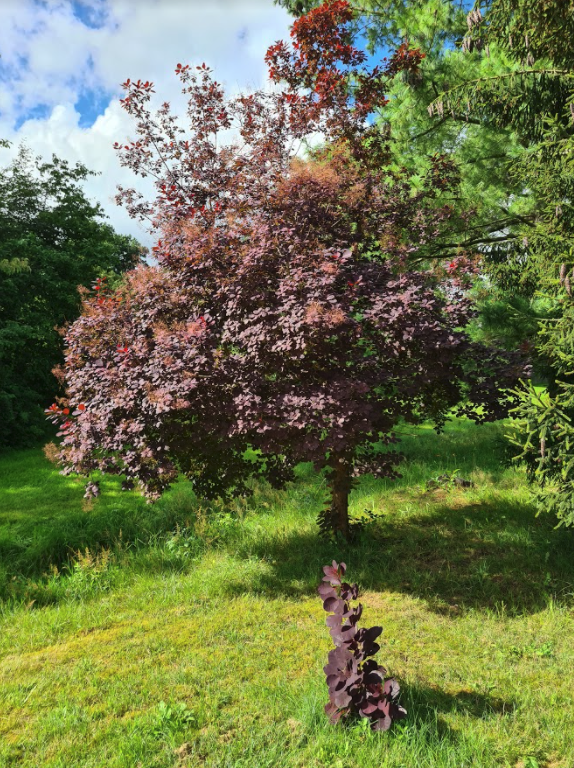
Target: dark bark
(340, 483)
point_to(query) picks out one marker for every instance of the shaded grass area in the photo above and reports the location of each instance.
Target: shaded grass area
(46, 524)
(184, 634)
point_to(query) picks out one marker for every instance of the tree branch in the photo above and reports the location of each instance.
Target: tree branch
(474, 241)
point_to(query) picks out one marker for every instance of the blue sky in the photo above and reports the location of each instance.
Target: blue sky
(62, 62)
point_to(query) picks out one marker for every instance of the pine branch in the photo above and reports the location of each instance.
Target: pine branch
(469, 84)
(474, 241)
(499, 156)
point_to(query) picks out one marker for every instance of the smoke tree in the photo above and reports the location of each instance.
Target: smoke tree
(357, 684)
(283, 321)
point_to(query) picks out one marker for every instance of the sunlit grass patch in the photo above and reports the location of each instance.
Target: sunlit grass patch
(186, 634)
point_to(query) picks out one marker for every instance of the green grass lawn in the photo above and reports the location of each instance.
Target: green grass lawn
(185, 634)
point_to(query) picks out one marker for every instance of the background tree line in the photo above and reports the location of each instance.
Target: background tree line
(52, 241)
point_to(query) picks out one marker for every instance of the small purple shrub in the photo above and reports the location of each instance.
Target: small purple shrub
(357, 684)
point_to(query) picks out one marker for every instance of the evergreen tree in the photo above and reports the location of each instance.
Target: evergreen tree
(481, 151)
(537, 102)
(544, 429)
(532, 99)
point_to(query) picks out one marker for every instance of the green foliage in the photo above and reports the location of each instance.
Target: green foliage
(535, 28)
(12, 266)
(530, 97)
(51, 242)
(535, 100)
(545, 427)
(511, 321)
(483, 152)
(172, 718)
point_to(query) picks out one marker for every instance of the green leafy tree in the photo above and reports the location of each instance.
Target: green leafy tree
(51, 242)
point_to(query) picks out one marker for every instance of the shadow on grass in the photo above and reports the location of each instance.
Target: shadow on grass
(482, 556)
(430, 713)
(424, 703)
(44, 520)
(453, 555)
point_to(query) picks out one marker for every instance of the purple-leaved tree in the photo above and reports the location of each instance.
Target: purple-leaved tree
(283, 322)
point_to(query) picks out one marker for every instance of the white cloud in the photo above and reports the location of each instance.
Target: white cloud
(50, 59)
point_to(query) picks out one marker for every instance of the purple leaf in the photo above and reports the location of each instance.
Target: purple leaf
(371, 634)
(325, 590)
(333, 604)
(382, 723)
(355, 682)
(391, 688)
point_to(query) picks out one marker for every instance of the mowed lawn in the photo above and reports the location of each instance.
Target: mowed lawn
(190, 634)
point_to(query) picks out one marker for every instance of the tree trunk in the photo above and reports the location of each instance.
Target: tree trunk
(340, 483)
